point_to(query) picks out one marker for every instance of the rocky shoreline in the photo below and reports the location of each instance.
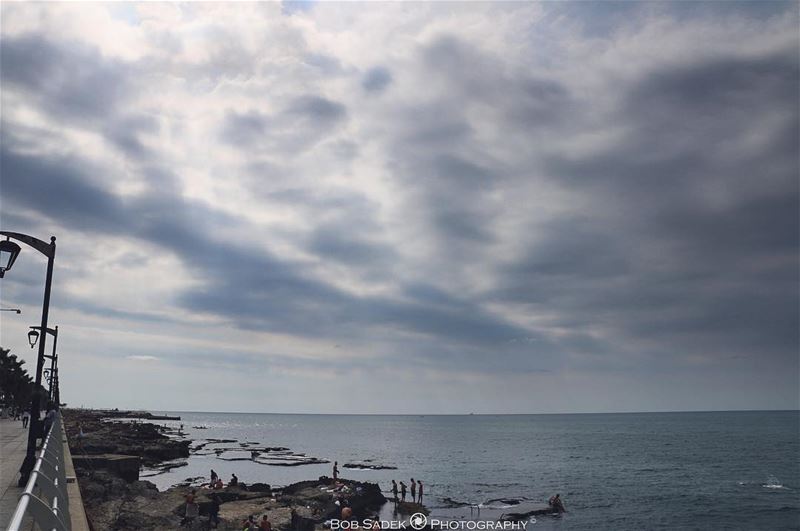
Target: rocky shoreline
(115, 499)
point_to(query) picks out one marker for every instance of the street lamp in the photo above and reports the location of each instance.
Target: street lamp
(8, 255)
(52, 357)
(10, 309)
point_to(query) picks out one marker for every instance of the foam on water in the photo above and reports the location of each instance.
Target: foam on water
(773, 483)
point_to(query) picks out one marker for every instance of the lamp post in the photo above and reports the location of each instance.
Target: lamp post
(10, 309)
(8, 255)
(33, 336)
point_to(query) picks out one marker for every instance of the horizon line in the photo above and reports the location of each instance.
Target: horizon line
(797, 410)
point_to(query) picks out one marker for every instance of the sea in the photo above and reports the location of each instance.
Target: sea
(698, 470)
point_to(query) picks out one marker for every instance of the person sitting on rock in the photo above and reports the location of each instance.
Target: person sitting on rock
(265, 524)
(250, 524)
(218, 484)
(347, 511)
(234, 482)
(556, 503)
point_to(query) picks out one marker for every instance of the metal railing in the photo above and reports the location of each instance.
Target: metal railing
(45, 496)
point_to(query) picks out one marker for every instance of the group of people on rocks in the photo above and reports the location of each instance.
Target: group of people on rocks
(416, 488)
(251, 524)
(216, 481)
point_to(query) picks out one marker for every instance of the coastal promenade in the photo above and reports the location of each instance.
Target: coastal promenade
(13, 443)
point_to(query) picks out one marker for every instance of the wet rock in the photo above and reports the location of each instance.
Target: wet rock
(411, 508)
(366, 466)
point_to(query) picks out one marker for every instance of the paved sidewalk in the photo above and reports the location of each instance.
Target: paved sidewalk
(13, 443)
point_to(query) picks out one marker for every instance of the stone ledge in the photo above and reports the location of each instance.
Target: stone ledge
(77, 513)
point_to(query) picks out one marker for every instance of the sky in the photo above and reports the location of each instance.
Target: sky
(407, 207)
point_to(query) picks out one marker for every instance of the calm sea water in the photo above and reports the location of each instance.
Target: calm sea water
(735, 470)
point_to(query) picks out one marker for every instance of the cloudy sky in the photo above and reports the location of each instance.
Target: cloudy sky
(385, 207)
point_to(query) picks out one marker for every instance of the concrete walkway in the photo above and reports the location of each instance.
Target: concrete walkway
(13, 443)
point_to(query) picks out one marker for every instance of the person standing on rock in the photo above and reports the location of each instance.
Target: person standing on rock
(419, 483)
(413, 490)
(402, 492)
(394, 490)
(214, 478)
(335, 470)
(192, 509)
(213, 511)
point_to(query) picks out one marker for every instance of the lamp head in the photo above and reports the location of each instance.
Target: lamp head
(33, 337)
(8, 254)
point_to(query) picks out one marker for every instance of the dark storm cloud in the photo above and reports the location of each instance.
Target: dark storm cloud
(376, 79)
(253, 288)
(243, 129)
(68, 79)
(453, 177)
(340, 245)
(57, 189)
(126, 133)
(76, 84)
(318, 109)
(299, 125)
(691, 243)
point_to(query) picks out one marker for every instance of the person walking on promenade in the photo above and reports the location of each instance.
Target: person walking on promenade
(25, 418)
(335, 470)
(402, 492)
(413, 490)
(394, 490)
(49, 419)
(419, 484)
